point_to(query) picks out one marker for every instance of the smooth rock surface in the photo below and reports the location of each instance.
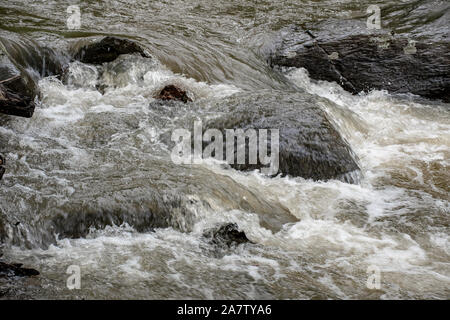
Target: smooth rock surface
(106, 50)
(361, 61)
(309, 144)
(172, 92)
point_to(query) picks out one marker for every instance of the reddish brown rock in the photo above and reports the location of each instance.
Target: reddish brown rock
(172, 92)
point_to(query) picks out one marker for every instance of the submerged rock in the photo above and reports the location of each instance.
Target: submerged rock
(172, 92)
(309, 144)
(31, 58)
(106, 50)
(17, 90)
(159, 196)
(226, 235)
(12, 103)
(362, 61)
(16, 270)
(157, 206)
(22, 63)
(125, 70)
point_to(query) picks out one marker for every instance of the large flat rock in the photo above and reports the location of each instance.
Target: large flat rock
(361, 61)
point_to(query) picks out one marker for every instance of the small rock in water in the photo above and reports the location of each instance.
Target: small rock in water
(16, 270)
(172, 92)
(364, 62)
(226, 235)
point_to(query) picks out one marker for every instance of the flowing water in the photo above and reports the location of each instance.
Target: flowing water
(87, 156)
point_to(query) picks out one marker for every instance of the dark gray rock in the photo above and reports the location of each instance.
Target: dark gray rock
(227, 235)
(22, 63)
(106, 50)
(360, 61)
(309, 144)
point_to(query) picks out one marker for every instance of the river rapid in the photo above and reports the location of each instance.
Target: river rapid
(84, 151)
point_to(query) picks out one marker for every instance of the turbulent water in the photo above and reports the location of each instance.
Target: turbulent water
(85, 154)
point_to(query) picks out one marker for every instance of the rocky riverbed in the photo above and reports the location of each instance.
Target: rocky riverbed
(88, 176)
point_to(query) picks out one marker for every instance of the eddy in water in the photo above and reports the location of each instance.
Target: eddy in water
(244, 151)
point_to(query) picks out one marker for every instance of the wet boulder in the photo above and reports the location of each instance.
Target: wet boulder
(227, 235)
(17, 90)
(30, 58)
(107, 49)
(172, 92)
(361, 61)
(309, 145)
(12, 103)
(16, 270)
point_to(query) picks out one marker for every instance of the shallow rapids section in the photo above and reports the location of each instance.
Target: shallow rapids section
(85, 154)
(395, 219)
